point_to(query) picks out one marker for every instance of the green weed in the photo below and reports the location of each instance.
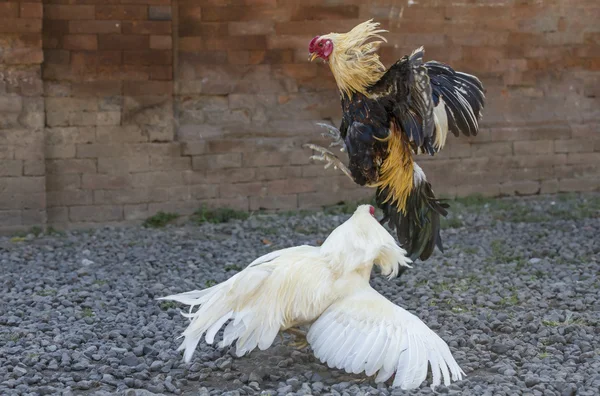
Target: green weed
(219, 215)
(160, 219)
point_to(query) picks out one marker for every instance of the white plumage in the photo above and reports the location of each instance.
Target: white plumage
(352, 326)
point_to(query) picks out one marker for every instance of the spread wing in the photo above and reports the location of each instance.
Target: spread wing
(426, 100)
(366, 332)
(405, 91)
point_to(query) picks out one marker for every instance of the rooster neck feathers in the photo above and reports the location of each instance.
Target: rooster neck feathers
(396, 173)
(354, 62)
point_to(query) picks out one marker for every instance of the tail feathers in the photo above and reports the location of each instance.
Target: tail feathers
(418, 227)
(218, 305)
(462, 95)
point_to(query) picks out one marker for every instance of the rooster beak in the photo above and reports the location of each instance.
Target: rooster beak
(312, 56)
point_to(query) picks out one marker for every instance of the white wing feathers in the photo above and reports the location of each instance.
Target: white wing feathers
(366, 332)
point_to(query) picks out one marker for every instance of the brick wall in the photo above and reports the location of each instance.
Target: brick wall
(170, 104)
(108, 85)
(22, 192)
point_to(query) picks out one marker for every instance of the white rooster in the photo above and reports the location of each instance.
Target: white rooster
(352, 326)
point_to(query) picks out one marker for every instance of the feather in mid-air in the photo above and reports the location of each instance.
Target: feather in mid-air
(352, 326)
(388, 117)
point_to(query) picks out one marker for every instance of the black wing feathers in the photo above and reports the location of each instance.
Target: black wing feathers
(463, 95)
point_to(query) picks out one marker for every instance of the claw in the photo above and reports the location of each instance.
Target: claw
(328, 157)
(334, 134)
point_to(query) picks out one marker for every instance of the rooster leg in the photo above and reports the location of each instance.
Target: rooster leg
(334, 134)
(299, 338)
(330, 158)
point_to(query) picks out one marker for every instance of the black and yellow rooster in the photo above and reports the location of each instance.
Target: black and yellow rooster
(391, 115)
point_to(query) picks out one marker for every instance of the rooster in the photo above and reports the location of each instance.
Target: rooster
(391, 115)
(352, 326)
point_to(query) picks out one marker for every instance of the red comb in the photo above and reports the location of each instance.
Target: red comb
(311, 45)
(372, 210)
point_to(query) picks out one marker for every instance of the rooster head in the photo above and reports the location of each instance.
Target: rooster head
(320, 47)
(351, 56)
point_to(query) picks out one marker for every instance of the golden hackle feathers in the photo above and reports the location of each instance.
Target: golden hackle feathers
(396, 172)
(354, 62)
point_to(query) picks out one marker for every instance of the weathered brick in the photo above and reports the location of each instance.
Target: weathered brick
(291, 186)
(10, 218)
(31, 10)
(121, 196)
(521, 188)
(69, 198)
(240, 203)
(533, 147)
(65, 166)
(100, 150)
(147, 27)
(264, 158)
(203, 191)
(147, 88)
(23, 185)
(583, 158)
(80, 42)
(60, 151)
(284, 172)
(161, 42)
(94, 27)
(486, 149)
(9, 10)
(121, 12)
(566, 185)
(11, 168)
(63, 181)
(57, 215)
(122, 42)
(217, 161)
(486, 190)
(573, 146)
(9, 201)
(157, 179)
(285, 202)
(95, 213)
(11, 104)
(132, 163)
(147, 57)
(249, 28)
(68, 12)
(242, 190)
(170, 163)
(136, 212)
(94, 181)
(233, 175)
(72, 135)
(34, 167)
(118, 133)
(549, 186)
(159, 13)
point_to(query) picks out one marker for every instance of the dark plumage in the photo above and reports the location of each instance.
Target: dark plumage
(403, 111)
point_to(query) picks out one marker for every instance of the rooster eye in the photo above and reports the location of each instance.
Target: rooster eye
(320, 44)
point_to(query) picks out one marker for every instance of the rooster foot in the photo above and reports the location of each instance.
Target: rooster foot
(300, 341)
(334, 134)
(330, 159)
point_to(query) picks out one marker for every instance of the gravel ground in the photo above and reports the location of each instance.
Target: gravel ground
(516, 295)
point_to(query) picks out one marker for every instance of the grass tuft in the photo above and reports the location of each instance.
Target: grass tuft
(160, 219)
(217, 216)
(166, 305)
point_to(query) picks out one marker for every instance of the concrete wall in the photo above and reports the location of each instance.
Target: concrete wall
(167, 105)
